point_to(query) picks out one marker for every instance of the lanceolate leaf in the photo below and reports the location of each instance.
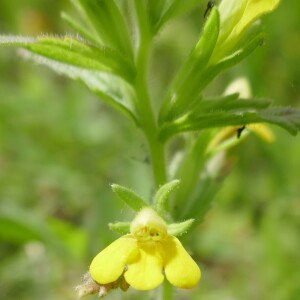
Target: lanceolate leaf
(213, 69)
(187, 90)
(111, 89)
(172, 9)
(187, 82)
(201, 203)
(229, 103)
(287, 118)
(189, 170)
(76, 52)
(79, 28)
(107, 22)
(155, 9)
(235, 58)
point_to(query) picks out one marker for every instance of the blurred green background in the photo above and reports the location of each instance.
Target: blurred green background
(61, 148)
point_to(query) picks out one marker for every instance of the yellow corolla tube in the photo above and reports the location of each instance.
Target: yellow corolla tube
(145, 255)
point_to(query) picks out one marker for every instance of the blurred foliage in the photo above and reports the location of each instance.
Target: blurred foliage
(61, 148)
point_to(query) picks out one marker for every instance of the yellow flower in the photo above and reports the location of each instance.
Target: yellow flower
(253, 10)
(236, 16)
(145, 255)
(229, 136)
(242, 87)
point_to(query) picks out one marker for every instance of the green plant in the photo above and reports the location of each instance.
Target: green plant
(115, 65)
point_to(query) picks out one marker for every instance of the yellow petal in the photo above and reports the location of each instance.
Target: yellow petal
(236, 17)
(145, 273)
(109, 264)
(255, 9)
(231, 12)
(180, 268)
(263, 131)
(241, 86)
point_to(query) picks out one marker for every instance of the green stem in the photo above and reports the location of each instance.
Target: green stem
(147, 119)
(167, 291)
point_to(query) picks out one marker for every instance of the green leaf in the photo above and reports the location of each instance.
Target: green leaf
(162, 195)
(228, 143)
(120, 227)
(187, 84)
(79, 28)
(208, 185)
(285, 117)
(111, 89)
(129, 197)
(186, 91)
(201, 203)
(201, 197)
(254, 31)
(172, 9)
(191, 165)
(178, 229)
(229, 103)
(235, 58)
(155, 10)
(76, 52)
(95, 67)
(107, 22)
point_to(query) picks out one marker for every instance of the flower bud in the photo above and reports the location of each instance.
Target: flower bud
(236, 17)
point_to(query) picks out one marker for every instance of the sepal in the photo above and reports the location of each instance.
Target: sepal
(120, 227)
(129, 197)
(178, 229)
(162, 196)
